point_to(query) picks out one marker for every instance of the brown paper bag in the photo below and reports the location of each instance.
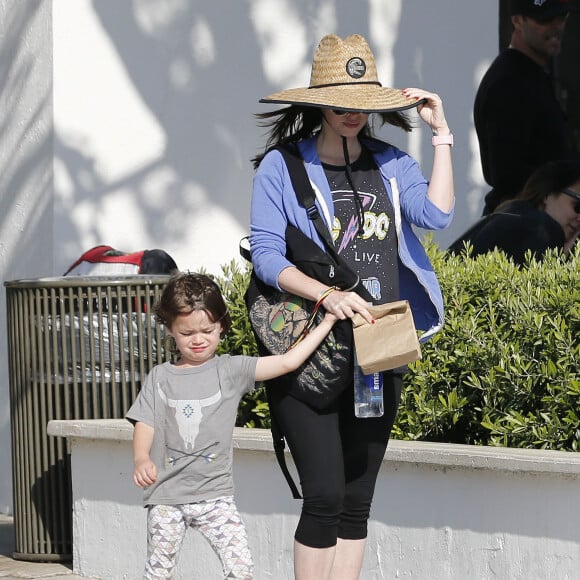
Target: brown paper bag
(388, 343)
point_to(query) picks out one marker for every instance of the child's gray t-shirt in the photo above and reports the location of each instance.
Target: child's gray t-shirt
(193, 412)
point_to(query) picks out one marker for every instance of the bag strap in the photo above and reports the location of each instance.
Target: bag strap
(305, 192)
(279, 443)
(245, 248)
(306, 197)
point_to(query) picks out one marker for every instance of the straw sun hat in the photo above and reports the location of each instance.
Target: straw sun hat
(344, 76)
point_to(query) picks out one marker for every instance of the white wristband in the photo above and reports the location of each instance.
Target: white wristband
(442, 140)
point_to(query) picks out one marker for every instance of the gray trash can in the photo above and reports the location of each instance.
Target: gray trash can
(78, 348)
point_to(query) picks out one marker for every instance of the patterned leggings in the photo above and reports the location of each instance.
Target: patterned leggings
(218, 520)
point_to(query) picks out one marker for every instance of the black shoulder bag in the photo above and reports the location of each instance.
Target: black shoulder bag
(278, 318)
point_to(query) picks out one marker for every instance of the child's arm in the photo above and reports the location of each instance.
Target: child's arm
(270, 367)
(145, 472)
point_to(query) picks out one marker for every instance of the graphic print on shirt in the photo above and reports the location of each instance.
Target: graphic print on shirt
(372, 252)
(374, 225)
(175, 455)
(188, 414)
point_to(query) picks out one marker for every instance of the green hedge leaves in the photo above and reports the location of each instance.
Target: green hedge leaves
(504, 371)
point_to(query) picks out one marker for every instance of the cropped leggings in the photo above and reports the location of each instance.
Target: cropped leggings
(338, 457)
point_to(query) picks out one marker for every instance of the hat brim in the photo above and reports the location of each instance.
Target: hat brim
(545, 13)
(364, 98)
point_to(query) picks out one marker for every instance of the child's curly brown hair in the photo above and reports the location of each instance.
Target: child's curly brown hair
(186, 292)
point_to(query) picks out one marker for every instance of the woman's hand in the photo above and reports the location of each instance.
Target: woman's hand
(441, 190)
(341, 304)
(345, 305)
(430, 112)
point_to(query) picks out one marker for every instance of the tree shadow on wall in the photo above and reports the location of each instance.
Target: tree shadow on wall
(196, 91)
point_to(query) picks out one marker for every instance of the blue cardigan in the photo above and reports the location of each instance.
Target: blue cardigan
(274, 205)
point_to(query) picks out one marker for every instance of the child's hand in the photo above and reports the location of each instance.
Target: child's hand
(329, 317)
(145, 473)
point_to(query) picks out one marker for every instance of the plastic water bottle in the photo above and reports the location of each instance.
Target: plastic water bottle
(368, 394)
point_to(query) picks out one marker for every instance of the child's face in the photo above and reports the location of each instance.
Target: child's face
(196, 337)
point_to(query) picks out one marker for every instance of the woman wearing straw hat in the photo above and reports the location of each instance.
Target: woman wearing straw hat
(357, 180)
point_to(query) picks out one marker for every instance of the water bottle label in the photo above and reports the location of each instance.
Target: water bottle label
(374, 382)
(368, 394)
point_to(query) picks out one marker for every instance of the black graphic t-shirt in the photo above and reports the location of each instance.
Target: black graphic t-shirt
(373, 252)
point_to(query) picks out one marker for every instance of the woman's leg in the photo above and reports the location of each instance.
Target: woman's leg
(348, 559)
(343, 561)
(364, 445)
(314, 440)
(312, 563)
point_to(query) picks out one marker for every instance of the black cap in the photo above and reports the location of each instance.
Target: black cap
(541, 9)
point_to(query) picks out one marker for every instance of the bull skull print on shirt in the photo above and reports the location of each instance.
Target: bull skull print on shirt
(188, 414)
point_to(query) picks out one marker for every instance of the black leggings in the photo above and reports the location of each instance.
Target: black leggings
(338, 458)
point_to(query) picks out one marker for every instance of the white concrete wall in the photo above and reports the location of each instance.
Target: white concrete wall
(145, 111)
(26, 176)
(441, 512)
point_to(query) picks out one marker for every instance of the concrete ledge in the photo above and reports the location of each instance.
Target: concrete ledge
(443, 455)
(440, 511)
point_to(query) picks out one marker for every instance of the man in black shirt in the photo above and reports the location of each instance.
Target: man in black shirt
(518, 120)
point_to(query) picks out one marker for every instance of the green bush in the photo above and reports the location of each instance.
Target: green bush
(504, 371)
(253, 410)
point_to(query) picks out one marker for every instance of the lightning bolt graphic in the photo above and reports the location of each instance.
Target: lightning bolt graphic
(349, 235)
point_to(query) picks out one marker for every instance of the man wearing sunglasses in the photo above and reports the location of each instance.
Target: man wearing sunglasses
(518, 119)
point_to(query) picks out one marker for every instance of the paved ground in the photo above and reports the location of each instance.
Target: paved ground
(16, 569)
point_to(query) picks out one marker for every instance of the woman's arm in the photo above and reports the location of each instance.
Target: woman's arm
(268, 226)
(441, 189)
(341, 304)
(269, 219)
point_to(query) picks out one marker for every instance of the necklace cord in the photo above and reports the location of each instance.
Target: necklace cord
(357, 199)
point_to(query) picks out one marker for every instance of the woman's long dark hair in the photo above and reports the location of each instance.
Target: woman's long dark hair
(294, 123)
(550, 178)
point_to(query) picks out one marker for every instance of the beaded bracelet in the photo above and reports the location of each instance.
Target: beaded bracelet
(323, 295)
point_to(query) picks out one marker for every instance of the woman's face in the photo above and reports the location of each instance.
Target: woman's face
(345, 124)
(562, 208)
